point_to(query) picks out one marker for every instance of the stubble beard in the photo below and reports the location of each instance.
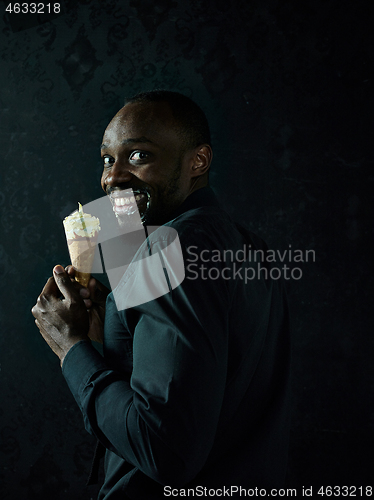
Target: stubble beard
(167, 202)
(158, 214)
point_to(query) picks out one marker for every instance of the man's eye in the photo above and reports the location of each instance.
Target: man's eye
(138, 155)
(108, 161)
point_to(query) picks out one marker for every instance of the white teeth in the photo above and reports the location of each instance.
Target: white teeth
(120, 202)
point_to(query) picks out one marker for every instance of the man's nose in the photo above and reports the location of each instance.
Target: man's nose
(118, 174)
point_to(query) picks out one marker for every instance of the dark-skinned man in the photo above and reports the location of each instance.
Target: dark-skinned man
(192, 390)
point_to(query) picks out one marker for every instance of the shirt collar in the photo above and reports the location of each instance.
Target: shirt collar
(203, 197)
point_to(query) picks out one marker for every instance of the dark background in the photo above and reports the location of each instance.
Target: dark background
(287, 87)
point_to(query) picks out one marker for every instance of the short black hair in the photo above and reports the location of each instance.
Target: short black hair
(194, 124)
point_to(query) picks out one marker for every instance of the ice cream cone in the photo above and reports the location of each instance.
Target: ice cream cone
(82, 253)
(81, 233)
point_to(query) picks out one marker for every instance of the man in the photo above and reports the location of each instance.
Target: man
(192, 390)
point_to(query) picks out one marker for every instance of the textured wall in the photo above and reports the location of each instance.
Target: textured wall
(287, 86)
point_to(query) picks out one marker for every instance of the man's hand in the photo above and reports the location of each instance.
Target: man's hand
(61, 314)
(94, 297)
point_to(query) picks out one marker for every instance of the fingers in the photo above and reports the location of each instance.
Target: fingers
(95, 291)
(63, 283)
(92, 288)
(49, 294)
(84, 293)
(70, 270)
(50, 290)
(98, 292)
(87, 303)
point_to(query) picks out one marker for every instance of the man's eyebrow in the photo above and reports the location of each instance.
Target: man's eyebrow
(131, 140)
(136, 139)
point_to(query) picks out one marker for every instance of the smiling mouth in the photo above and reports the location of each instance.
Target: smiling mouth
(128, 202)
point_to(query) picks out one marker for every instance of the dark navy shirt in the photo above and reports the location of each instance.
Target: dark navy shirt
(193, 387)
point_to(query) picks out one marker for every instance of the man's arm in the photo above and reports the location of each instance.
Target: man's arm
(163, 416)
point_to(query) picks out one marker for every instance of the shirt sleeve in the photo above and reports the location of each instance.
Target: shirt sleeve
(162, 416)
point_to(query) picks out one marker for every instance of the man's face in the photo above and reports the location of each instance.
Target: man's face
(142, 150)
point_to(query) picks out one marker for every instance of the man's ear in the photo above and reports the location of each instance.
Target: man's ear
(201, 160)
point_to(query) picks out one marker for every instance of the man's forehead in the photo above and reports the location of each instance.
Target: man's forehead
(146, 112)
(142, 120)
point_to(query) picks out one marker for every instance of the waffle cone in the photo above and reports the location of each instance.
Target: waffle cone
(82, 253)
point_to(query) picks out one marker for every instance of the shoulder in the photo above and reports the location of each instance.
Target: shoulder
(213, 226)
(203, 224)
(199, 216)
